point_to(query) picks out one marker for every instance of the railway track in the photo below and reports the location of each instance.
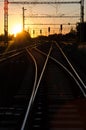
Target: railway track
(49, 98)
(15, 88)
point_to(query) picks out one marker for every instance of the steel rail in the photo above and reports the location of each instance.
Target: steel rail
(59, 63)
(7, 52)
(34, 92)
(31, 98)
(70, 64)
(11, 56)
(3, 55)
(40, 78)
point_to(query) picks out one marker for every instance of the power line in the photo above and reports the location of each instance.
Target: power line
(52, 24)
(6, 2)
(59, 2)
(52, 16)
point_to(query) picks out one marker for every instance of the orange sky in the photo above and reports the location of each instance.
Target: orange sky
(15, 16)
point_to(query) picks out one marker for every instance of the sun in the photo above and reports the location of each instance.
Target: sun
(16, 29)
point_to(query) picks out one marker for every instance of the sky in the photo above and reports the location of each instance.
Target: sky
(15, 16)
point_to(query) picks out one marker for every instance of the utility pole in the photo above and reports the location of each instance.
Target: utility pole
(48, 30)
(61, 28)
(23, 9)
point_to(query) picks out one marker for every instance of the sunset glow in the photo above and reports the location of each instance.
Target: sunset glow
(15, 17)
(16, 29)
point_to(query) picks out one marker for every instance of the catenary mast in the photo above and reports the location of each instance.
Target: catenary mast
(6, 20)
